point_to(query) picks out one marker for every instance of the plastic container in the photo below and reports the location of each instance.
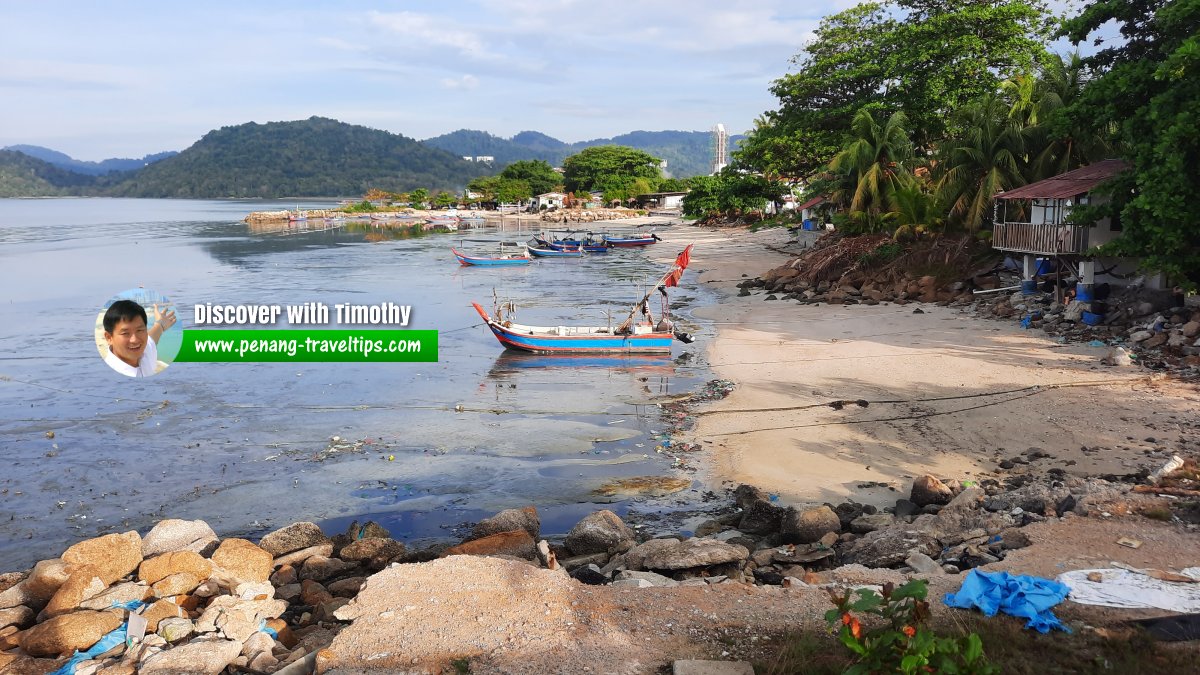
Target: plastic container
(1084, 292)
(1029, 287)
(1091, 318)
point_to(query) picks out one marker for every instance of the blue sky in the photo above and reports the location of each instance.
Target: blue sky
(123, 79)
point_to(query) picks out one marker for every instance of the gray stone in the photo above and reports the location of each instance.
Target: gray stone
(198, 656)
(589, 574)
(746, 495)
(1140, 336)
(175, 628)
(636, 557)
(1191, 329)
(320, 568)
(929, 490)
(870, 523)
(375, 552)
(507, 521)
(179, 535)
(761, 517)
(296, 558)
(575, 562)
(293, 538)
(923, 564)
(694, 553)
(600, 532)
(890, 547)
(18, 616)
(710, 527)
(650, 578)
(808, 526)
(632, 583)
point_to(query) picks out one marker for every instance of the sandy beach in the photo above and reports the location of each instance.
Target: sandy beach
(947, 393)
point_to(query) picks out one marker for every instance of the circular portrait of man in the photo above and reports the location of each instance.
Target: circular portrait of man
(133, 333)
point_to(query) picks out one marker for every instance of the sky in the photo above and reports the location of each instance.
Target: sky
(125, 79)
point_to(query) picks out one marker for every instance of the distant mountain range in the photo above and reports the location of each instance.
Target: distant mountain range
(64, 161)
(317, 157)
(688, 153)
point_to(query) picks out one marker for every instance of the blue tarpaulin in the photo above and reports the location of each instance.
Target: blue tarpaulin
(1024, 596)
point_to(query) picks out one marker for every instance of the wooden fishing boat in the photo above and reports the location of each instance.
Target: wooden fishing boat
(556, 253)
(631, 242)
(501, 260)
(636, 334)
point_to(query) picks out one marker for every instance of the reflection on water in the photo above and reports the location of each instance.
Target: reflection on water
(248, 446)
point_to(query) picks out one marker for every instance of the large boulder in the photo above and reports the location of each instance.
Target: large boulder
(293, 538)
(36, 590)
(16, 616)
(163, 566)
(516, 543)
(241, 560)
(84, 583)
(745, 495)
(635, 559)
(374, 552)
(599, 532)
(117, 595)
(891, 547)
(809, 525)
(928, 490)
(197, 656)
(695, 553)
(179, 535)
(63, 635)
(508, 520)
(761, 517)
(320, 568)
(113, 555)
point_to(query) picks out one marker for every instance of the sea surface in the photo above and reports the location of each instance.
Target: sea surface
(422, 448)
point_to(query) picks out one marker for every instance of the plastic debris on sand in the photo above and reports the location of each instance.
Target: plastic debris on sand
(1024, 596)
(1134, 589)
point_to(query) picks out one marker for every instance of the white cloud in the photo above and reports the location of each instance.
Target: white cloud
(423, 30)
(466, 82)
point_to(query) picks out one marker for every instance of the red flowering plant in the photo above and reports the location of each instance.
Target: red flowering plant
(897, 637)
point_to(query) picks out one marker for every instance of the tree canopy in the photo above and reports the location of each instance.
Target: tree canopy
(612, 169)
(539, 175)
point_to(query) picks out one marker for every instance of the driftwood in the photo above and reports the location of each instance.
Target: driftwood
(1173, 491)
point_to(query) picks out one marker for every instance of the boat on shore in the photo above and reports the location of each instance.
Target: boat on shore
(638, 333)
(556, 252)
(510, 254)
(632, 242)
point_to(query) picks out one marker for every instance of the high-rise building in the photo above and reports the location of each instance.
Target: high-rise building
(720, 148)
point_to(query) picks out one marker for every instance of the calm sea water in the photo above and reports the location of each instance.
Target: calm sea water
(248, 447)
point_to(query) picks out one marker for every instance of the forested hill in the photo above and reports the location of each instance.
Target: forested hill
(688, 153)
(25, 176)
(313, 157)
(65, 161)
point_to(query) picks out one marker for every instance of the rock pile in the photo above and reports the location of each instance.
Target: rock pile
(588, 215)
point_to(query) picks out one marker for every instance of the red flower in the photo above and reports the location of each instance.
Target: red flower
(910, 631)
(855, 628)
(846, 619)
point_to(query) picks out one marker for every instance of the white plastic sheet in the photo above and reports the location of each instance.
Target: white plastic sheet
(1133, 589)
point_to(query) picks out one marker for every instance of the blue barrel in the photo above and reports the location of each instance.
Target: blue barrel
(1092, 319)
(1085, 292)
(1029, 287)
(808, 224)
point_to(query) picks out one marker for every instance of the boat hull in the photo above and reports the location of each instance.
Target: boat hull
(539, 343)
(555, 253)
(473, 261)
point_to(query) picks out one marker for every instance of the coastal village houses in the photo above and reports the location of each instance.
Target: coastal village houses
(1029, 221)
(550, 200)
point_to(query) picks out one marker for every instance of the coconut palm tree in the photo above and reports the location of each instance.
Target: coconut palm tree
(986, 160)
(876, 162)
(1055, 147)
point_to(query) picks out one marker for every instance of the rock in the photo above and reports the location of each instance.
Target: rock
(590, 575)
(808, 526)
(516, 543)
(174, 629)
(254, 590)
(636, 557)
(62, 635)
(632, 583)
(694, 553)
(745, 495)
(375, 552)
(929, 490)
(41, 585)
(508, 520)
(162, 566)
(10, 579)
(293, 538)
(650, 578)
(113, 555)
(283, 632)
(869, 523)
(197, 656)
(1013, 538)
(599, 532)
(179, 535)
(119, 594)
(207, 589)
(245, 612)
(890, 547)
(710, 527)
(288, 592)
(84, 583)
(346, 588)
(320, 568)
(285, 575)
(297, 558)
(760, 517)
(575, 562)
(1191, 329)
(160, 610)
(923, 564)
(313, 593)
(1140, 336)
(180, 583)
(241, 560)
(18, 616)
(905, 508)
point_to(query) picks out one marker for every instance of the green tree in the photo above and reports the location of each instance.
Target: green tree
(419, 197)
(508, 191)
(730, 193)
(984, 161)
(540, 176)
(877, 162)
(444, 199)
(1148, 92)
(610, 168)
(486, 187)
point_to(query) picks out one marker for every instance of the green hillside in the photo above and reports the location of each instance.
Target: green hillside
(25, 176)
(308, 158)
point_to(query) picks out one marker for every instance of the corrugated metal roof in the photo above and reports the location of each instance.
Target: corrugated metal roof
(1068, 184)
(810, 203)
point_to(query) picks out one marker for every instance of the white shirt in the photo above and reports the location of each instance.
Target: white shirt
(146, 366)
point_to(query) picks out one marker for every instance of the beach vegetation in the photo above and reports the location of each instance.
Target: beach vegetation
(611, 169)
(538, 174)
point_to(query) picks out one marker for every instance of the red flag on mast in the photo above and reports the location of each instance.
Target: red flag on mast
(685, 257)
(672, 279)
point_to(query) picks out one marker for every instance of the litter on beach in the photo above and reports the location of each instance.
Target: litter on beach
(1023, 596)
(1135, 589)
